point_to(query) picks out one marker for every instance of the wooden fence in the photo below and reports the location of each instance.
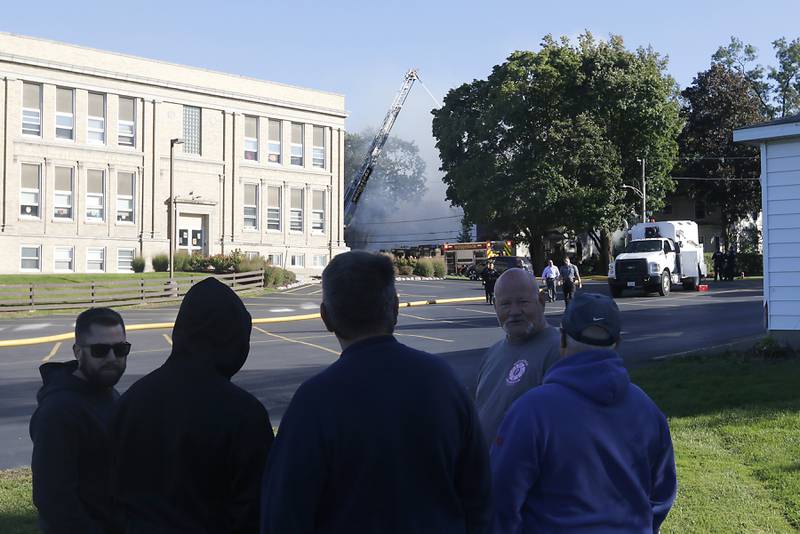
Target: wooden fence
(23, 297)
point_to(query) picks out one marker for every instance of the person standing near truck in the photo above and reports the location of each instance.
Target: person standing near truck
(570, 277)
(489, 277)
(550, 276)
(718, 258)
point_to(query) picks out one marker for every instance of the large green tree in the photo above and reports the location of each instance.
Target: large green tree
(720, 100)
(398, 177)
(550, 137)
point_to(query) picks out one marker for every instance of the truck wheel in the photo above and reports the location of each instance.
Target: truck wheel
(616, 292)
(666, 284)
(692, 283)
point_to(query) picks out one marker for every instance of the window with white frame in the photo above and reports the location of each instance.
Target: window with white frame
(96, 260)
(125, 260)
(30, 192)
(297, 260)
(251, 138)
(250, 255)
(251, 206)
(296, 211)
(274, 141)
(318, 211)
(62, 195)
(273, 208)
(126, 129)
(95, 195)
(191, 130)
(65, 115)
(32, 109)
(126, 188)
(318, 153)
(63, 258)
(297, 144)
(275, 259)
(319, 260)
(96, 132)
(30, 257)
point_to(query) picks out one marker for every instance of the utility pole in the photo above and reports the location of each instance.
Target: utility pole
(644, 190)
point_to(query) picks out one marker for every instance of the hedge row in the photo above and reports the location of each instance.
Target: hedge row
(234, 262)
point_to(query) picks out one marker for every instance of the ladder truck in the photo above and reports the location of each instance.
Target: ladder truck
(360, 179)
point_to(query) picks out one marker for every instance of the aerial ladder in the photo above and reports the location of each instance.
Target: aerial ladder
(360, 179)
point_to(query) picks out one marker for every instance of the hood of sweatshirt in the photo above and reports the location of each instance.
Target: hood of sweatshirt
(58, 376)
(212, 328)
(599, 375)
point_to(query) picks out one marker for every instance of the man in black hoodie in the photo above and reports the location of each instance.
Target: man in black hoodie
(71, 447)
(191, 446)
(385, 439)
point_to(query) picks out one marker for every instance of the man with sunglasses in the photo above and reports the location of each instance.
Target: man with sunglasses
(71, 447)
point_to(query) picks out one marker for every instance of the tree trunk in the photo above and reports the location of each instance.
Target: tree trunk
(605, 249)
(537, 250)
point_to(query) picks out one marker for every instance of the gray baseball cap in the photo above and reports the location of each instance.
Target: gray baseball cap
(592, 309)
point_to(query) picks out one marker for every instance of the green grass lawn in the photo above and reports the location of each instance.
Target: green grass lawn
(14, 279)
(735, 423)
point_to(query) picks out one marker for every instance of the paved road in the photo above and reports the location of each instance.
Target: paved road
(285, 354)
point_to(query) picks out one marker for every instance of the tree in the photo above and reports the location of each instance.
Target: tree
(550, 137)
(786, 76)
(398, 177)
(740, 57)
(466, 231)
(718, 101)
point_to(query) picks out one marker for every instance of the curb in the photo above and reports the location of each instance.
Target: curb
(739, 344)
(412, 278)
(263, 320)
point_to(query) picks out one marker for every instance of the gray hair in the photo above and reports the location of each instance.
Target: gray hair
(359, 295)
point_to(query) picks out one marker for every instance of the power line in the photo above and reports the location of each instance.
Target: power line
(714, 179)
(415, 220)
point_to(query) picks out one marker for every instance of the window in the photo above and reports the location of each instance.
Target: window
(275, 259)
(296, 211)
(318, 212)
(30, 258)
(273, 208)
(63, 257)
(65, 117)
(251, 206)
(30, 192)
(125, 260)
(96, 260)
(251, 138)
(97, 118)
(699, 210)
(297, 260)
(274, 141)
(319, 260)
(318, 154)
(62, 205)
(297, 144)
(125, 196)
(250, 255)
(31, 109)
(126, 135)
(191, 130)
(95, 195)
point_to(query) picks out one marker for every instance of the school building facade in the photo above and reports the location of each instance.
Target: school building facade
(85, 139)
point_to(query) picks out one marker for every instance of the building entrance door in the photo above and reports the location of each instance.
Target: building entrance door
(192, 233)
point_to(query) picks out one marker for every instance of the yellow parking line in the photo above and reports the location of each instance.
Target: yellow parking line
(167, 339)
(290, 340)
(52, 352)
(427, 318)
(425, 337)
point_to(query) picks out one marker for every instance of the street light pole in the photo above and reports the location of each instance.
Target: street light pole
(171, 225)
(644, 190)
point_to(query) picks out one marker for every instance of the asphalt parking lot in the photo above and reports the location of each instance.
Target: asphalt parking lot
(284, 354)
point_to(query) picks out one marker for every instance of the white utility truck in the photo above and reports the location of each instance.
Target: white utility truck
(658, 255)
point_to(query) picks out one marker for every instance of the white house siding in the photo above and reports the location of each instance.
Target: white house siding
(782, 233)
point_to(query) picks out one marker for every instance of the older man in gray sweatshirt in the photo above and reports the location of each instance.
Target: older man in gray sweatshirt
(517, 363)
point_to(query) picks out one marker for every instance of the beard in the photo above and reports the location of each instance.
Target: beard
(519, 327)
(105, 377)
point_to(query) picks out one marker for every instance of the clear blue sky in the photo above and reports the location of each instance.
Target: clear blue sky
(362, 49)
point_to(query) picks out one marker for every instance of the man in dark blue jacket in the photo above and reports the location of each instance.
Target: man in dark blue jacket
(71, 446)
(385, 439)
(587, 451)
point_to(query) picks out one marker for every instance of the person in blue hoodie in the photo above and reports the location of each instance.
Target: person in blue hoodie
(385, 439)
(70, 428)
(588, 451)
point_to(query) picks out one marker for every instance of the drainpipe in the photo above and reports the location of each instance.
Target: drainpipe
(233, 177)
(140, 179)
(5, 153)
(153, 174)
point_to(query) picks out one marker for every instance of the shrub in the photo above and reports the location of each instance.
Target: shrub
(405, 270)
(276, 277)
(138, 264)
(160, 263)
(198, 263)
(252, 265)
(751, 264)
(180, 262)
(439, 267)
(424, 267)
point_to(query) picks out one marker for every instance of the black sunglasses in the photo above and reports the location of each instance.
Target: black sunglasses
(99, 350)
